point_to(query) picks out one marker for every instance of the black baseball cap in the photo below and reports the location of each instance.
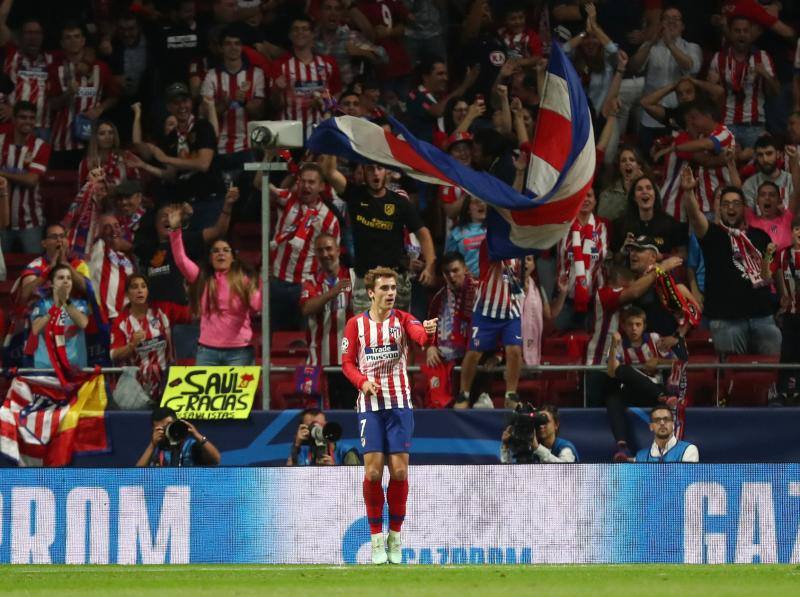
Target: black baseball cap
(644, 242)
(177, 91)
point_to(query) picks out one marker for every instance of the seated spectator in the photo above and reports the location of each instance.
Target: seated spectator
(637, 387)
(496, 320)
(162, 450)
(379, 217)
(223, 294)
(666, 447)
(581, 254)
(738, 302)
(23, 161)
(466, 237)
(614, 198)
(307, 452)
(58, 322)
(543, 445)
(110, 262)
(303, 217)
(767, 170)
(666, 58)
(326, 302)
(104, 152)
(141, 337)
(746, 74)
(645, 217)
(452, 305)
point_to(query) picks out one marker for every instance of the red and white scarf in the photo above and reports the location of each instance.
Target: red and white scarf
(582, 241)
(56, 343)
(746, 257)
(684, 309)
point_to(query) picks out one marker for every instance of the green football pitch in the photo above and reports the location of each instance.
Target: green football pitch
(403, 581)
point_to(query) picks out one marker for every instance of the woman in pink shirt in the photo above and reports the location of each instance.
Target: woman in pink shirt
(223, 295)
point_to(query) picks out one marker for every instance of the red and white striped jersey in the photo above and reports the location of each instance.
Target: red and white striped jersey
(711, 178)
(789, 266)
(597, 247)
(605, 310)
(114, 167)
(378, 352)
(525, 44)
(305, 83)
(671, 193)
(30, 80)
(638, 355)
(220, 83)
(93, 88)
(500, 290)
(30, 157)
(154, 353)
(744, 89)
(292, 248)
(110, 270)
(326, 328)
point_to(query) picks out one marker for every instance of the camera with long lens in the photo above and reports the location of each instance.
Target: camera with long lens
(319, 437)
(174, 433)
(523, 422)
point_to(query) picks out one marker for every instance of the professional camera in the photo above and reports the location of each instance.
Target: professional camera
(174, 433)
(524, 421)
(319, 437)
(275, 133)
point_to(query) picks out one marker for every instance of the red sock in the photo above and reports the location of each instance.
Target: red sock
(397, 495)
(373, 498)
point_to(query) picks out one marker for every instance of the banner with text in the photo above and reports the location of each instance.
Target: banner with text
(456, 515)
(211, 392)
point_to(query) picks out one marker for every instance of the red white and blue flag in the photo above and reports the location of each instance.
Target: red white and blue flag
(560, 172)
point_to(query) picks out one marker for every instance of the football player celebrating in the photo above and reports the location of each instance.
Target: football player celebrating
(374, 355)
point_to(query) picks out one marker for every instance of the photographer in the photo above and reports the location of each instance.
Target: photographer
(532, 437)
(317, 442)
(176, 443)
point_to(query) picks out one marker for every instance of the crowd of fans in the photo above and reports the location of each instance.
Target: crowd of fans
(696, 109)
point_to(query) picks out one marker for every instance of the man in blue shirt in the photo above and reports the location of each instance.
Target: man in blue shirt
(666, 447)
(546, 446)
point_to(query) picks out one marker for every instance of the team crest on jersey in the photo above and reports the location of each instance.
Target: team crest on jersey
(345, 345)
(394, 333)
(497, 58)
(388, 209)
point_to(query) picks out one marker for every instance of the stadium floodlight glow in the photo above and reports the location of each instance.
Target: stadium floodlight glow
(275, 133)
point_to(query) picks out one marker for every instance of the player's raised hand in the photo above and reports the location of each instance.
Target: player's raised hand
(370, 388)
(430, 325)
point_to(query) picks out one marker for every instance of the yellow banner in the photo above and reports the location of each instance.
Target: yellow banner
(211, 392)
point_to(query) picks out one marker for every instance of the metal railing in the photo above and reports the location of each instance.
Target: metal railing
(526, 370)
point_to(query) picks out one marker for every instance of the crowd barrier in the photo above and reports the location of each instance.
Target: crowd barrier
(473, 437)
(525, 514)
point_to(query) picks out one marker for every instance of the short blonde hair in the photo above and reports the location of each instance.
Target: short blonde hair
(378, 272)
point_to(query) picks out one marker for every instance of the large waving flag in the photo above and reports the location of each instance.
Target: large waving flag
(559, 175)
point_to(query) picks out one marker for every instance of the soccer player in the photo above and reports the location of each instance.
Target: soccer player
(374, 353)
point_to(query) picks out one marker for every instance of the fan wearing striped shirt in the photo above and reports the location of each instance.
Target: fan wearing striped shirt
(637, 387)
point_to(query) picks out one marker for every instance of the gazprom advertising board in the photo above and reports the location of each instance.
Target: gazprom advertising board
(456, 515)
